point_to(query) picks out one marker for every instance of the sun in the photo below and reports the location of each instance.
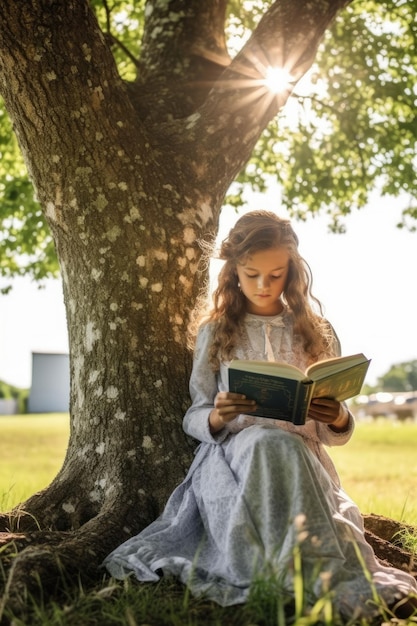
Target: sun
(278, 79)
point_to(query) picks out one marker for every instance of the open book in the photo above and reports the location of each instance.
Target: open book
(284, 392)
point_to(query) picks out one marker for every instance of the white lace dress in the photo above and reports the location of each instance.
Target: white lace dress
(257, 492)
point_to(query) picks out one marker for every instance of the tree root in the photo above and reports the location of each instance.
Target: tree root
(45, 509)
(46, 564)
(387, 538)
(34, 571)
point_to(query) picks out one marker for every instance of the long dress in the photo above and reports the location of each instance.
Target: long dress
(256, 493)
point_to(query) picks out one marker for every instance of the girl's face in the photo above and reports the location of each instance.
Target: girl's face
(262, 278)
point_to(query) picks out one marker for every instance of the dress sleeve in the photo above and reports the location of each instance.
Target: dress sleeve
(203, 389)
(327, 435)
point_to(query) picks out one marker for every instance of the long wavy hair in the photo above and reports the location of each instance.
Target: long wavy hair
(254, 232)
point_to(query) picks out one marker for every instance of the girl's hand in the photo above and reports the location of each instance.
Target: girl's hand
(227, 406)
(329, 412)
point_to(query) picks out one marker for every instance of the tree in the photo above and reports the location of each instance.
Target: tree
(130, 174)
(341, 140)
(400, 377)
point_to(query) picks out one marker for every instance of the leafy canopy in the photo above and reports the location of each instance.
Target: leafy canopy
(350, 126)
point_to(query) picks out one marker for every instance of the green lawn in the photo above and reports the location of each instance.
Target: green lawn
(378, 467)
(32, 449)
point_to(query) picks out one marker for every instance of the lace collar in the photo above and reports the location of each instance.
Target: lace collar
(264, 324)
(270, 320)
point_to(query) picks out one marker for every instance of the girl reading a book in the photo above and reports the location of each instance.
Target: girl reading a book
(261, 491)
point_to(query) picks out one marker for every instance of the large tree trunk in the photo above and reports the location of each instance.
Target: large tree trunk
(130, 177)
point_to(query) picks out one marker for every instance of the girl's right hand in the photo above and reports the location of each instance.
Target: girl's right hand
(227, 406)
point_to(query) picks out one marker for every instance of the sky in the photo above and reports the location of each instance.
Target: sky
(363, 278)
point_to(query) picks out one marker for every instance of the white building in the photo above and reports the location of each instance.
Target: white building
(50, 387)
(8, 406)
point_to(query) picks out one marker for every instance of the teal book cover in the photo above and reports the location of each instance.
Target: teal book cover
(276, 398)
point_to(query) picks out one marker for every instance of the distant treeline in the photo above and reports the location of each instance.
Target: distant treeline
(9, 392)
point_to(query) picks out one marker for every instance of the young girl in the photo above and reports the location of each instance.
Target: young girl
(260, 490)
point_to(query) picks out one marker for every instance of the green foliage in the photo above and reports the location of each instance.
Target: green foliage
(9, 392)
(400, 377)
(408, 539)
(350, 128)
(122, 24)
(26, 245)
(353, 127)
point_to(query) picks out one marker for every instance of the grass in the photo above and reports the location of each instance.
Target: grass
(32, 449)
(378, 469)
(166, 604)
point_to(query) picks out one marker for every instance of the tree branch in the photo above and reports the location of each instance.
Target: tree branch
(183, 54)
(176, 31)
(240, 105)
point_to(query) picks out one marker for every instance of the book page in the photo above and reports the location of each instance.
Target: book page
(342, 385)
(268, 368)
(337, 364)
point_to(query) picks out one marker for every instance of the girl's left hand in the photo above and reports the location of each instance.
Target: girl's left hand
(329, 412)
